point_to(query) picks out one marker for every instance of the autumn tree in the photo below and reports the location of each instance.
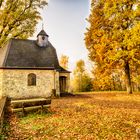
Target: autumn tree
(82, 80)
(113, 36)
(18, 18)
(64, 60)
(103, 81)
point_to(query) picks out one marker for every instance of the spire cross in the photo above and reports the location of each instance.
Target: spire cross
(42, 26)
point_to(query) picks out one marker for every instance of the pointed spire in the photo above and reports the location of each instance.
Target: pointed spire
(42, 32)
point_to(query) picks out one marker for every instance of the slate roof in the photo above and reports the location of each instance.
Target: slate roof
(22, 53)
(61, 70)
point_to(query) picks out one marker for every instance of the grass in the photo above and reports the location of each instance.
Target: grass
(91, 116)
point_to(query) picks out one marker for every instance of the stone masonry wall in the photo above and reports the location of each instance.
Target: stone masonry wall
(1, 75)
(15, 83)
(57, 83)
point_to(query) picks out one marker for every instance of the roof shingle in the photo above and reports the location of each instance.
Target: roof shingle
(26, 53)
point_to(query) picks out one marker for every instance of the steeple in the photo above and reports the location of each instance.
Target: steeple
(42, 38)
(43, 33)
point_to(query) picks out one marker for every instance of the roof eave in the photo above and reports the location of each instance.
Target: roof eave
(30, 68)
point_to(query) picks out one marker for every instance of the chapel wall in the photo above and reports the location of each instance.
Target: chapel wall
(15, 83)
(1, 77)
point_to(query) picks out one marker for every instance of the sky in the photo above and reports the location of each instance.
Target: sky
(65, 23)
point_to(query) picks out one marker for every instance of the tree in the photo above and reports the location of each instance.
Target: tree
(104, 81)
(18, 18)
(64, 61)
(82, 80)
(113, 38)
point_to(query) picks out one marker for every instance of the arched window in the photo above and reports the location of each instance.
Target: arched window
(43, 37)
(31, 79)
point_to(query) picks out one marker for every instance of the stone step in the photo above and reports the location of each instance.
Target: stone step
(27, 109)
(30, 104)
(29, 100)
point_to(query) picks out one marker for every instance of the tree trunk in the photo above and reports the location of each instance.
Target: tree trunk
(128, 78)
(120, 85)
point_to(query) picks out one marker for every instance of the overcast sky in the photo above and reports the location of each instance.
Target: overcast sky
(64, 21)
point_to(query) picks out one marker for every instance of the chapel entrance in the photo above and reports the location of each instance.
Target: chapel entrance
(62, 84)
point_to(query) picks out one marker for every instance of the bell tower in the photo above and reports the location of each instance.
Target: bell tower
(42, 38)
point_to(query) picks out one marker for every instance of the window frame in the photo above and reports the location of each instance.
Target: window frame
(31, 79)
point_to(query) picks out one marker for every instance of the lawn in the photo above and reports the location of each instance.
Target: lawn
(86, 116)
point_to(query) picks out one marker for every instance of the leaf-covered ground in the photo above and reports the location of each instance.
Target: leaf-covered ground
(94, 116)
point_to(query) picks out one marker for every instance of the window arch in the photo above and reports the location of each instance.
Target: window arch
(31, 79)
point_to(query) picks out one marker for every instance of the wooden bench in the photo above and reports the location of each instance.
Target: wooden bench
(2, 107)
(25, 105)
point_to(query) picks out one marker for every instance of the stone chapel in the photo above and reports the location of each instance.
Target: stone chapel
(30, 69)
